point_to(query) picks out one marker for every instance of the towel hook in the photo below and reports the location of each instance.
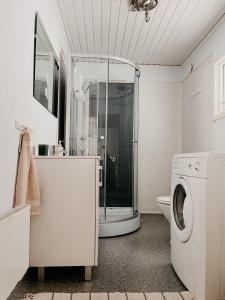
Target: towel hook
(21, 127)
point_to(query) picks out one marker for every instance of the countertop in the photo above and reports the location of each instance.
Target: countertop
(67, 157)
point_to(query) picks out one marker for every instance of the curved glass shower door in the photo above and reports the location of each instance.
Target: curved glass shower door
(87, 108)
(104, 123)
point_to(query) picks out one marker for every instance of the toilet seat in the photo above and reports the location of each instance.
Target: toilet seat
(164, 200)
(164, 205)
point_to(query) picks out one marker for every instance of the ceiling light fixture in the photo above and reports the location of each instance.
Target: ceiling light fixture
(143, 5)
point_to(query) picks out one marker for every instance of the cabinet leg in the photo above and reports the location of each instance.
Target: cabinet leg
(87, 275)
(41, 273)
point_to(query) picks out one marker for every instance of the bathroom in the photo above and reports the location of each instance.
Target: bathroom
(171, 65)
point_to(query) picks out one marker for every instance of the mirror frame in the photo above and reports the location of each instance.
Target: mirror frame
(54, 112)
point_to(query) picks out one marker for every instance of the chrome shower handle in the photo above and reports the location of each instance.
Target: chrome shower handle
(100, 176)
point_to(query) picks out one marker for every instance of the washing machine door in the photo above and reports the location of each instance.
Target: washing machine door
(182, 210)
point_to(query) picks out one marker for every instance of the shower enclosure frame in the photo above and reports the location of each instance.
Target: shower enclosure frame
(127, 224)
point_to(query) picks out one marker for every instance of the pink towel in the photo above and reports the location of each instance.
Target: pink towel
(27, 187)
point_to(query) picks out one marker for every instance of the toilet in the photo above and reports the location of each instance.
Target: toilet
(164, 205)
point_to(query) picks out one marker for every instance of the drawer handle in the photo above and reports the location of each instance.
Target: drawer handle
(100, 176)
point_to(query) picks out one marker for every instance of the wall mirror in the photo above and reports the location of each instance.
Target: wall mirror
(46, 69)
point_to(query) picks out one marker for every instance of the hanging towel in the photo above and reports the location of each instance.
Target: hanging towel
(27, 187)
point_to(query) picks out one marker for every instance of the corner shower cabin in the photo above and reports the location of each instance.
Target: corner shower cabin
(104, 122)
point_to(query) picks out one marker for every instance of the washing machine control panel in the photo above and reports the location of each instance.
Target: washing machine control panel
(195, 167)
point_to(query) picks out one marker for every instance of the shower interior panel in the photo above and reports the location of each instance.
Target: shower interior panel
(119, 139)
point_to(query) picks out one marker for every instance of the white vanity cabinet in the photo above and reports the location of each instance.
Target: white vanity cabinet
(66, 232)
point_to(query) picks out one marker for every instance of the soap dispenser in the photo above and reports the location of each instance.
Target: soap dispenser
(59, 151)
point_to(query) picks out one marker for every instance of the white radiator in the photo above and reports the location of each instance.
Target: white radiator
(14, 248)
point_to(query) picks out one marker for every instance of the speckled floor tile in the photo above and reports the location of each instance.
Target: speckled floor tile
(138, 262)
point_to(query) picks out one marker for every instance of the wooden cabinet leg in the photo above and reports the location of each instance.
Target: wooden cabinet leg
(41, 273)
(87, 275)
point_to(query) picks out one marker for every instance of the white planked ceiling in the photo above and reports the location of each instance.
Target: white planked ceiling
(107, 27)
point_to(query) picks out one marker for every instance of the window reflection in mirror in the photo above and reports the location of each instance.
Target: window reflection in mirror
(46, 70)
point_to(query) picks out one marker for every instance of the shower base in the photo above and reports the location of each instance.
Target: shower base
(119, 221)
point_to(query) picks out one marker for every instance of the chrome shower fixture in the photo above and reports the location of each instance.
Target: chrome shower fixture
(87, 85)
(143, 5)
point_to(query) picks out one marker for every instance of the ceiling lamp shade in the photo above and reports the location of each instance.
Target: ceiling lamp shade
(143, 5)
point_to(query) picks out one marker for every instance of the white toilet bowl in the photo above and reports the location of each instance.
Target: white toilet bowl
(164, 205)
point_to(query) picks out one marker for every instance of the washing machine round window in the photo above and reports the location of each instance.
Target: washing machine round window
(178, 206)
(182, 210)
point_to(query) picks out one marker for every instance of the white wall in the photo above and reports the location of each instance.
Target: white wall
(203, 59)
(159, 132)
(16, 84)
(197, 125)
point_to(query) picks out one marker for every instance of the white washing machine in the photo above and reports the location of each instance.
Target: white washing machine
(198, 223)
